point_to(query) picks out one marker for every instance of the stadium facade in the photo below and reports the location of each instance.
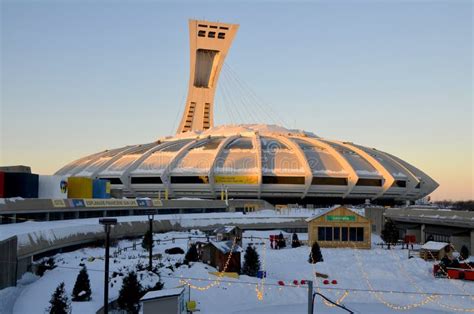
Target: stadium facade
(248, 161)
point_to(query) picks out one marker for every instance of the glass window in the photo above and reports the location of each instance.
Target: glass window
(328, 233)
(344, 234)
(352, 234)
(337, 234)
(321, 234)
(360, 234)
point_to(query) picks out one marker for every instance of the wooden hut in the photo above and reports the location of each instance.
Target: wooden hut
(229, 233)
(341, 227)
(216, 254)
(433, 250)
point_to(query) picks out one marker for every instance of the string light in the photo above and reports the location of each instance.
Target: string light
(220, 274)
(329, 304)
(261, 289)
(379, 296)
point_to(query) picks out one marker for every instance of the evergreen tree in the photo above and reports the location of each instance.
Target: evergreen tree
(464, 254)
(251, 262)
(59, 303)
(295, 242)
(130, 294)
(147, 240)
(191, 254)
(82, 287)
(315, 256)
(281, 241)
(389, 233)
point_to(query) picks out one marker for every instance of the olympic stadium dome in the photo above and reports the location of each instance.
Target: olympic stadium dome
(249, 160)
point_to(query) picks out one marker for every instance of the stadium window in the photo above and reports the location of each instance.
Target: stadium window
(369, 182)
(352, 234)
(221, 35)
(212, 26)
(202, 25)
(360, 234)
(146, 180)
(321, 234)
(418, 186)
(399, 184)
(282, 180)
(113, 180)
(190, 180)
(202, 33)
(211, 34)
(328, 181)
(337, 234)
(223, 27)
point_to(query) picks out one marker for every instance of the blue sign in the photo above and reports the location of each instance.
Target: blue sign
(78, 203)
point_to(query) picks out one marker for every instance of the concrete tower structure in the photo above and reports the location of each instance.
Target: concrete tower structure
(209, 44)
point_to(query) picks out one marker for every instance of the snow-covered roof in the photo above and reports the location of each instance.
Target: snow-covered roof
(225, 246)
(434, 246)
(162, 293)
(327, 210)
(224, 229)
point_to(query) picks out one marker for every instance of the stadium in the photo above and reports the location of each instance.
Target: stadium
(248, 161)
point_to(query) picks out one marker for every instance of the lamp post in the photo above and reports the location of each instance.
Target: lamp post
(107, 222)
(151, 216)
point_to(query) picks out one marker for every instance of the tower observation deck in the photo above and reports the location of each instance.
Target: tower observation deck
(209, 45)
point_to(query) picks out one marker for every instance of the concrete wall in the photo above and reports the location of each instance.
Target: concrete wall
(376, 217)
(459, 241)
(8, 262)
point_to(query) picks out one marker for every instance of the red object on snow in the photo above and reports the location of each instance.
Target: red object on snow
(334, 282)
(469, 274)
(303, 282)
(453, 273)
(326, 282)
(295, 282)
(281, 283)
(435, 268)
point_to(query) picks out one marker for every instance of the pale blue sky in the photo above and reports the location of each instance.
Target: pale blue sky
(82, 76)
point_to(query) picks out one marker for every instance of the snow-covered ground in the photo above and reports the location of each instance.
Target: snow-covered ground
(364, 270)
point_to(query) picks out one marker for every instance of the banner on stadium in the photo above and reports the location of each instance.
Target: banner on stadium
(236, 179)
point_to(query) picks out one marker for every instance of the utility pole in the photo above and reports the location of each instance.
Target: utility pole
(151, 214)
(310, 296)
(107, 222)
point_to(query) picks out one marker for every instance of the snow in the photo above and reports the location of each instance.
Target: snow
(434, 246)
(162, 293)
(388, 270)
(225, 246)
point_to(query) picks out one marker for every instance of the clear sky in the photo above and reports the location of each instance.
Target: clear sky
(82, 76)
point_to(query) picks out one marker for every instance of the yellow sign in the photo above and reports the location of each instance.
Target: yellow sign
(236, 179)
(110, 203)
(59, 203)
(225, 274)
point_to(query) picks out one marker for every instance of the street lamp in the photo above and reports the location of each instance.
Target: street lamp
(151, 216)
(107, 222)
